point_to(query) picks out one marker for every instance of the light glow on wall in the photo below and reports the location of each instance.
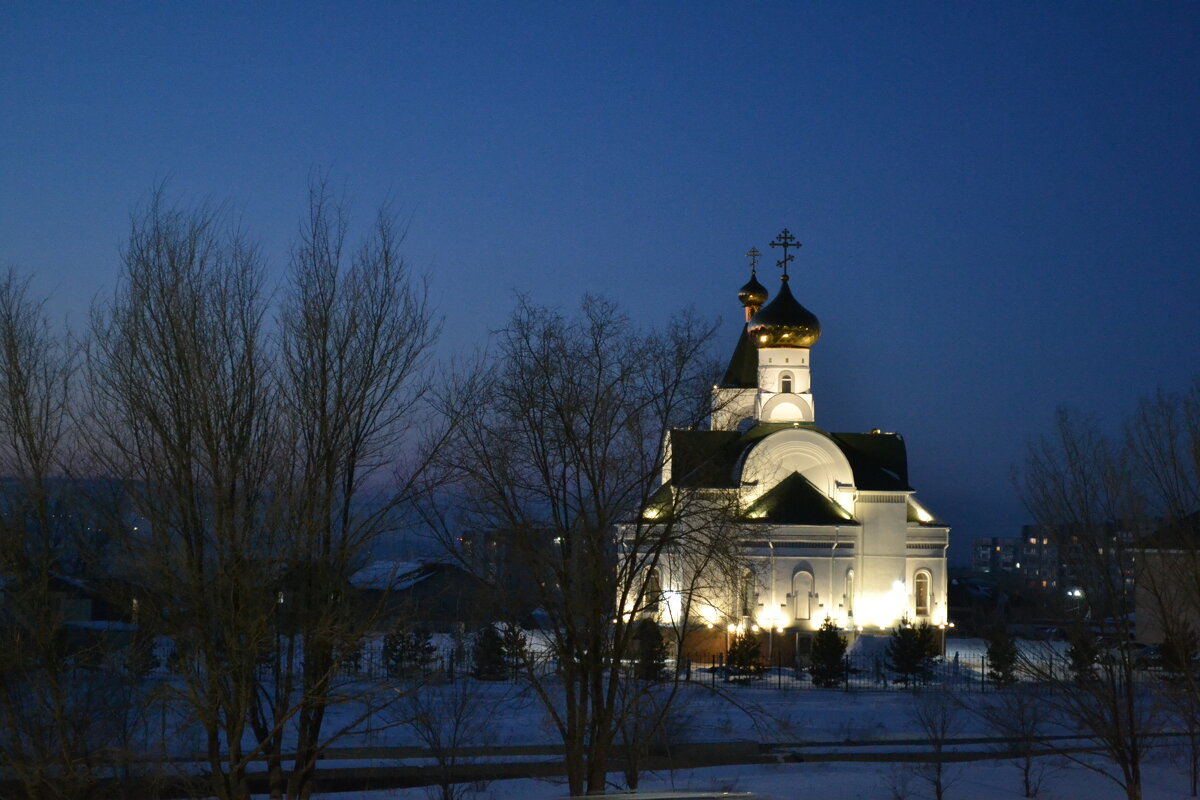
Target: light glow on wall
(672, 605)
(709, 614)
(922, 515)
(882, 610)
(768, 620)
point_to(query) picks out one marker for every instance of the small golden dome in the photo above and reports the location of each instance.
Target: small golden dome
(753, 293)
(784, 323)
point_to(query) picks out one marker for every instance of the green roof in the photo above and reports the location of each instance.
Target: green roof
(795, 501)
(742, 372)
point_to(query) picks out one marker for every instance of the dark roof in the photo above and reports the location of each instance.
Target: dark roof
(795, 501)
(704, 458)
(436, 596)
(742, 372)
(709, 459)
(879, 460)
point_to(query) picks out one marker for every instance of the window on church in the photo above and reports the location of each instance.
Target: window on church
(921, 590)
(802, 586)
(652, 593)
(850, 592)
(785, 383)
(749, 597)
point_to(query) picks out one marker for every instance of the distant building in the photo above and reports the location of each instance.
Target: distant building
(1168, 585)
(1032, 559)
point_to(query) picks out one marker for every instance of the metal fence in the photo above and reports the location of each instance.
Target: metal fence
(860, 672)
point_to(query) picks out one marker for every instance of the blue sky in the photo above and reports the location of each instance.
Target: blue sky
(999, 202)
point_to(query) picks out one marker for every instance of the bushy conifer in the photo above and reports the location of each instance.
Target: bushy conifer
(408, 653)
(745, 660)
(1001, 657)
(651, 651)
(827, 666)
(910, 651)
(488, 655)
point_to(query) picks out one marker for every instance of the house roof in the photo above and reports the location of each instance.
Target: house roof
(795, 501)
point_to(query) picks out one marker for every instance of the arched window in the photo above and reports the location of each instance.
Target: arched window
(921, 593)
(785, 383)
(802, 587)
(749, 597)
(652, 592)
(850, 593)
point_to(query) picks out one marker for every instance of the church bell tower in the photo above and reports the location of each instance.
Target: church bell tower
(784, 332)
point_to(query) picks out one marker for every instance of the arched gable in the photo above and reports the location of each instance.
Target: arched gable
(787, 408)
(811, 453)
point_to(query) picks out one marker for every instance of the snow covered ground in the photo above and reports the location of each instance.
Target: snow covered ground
(761, 713)
(986, 780)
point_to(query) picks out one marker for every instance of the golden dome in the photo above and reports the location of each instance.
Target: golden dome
(784, 323)
(753, 293)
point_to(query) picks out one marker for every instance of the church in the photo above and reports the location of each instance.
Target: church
(828, 525)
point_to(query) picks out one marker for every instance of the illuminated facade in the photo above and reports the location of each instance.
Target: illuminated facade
(828, 522)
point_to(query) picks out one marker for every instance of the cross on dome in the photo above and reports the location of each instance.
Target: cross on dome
(754, 256)
(785, 240)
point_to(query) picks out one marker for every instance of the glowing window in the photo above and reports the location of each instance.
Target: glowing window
(921, 590)
(652, 592)
(850, 593)
(749, 597)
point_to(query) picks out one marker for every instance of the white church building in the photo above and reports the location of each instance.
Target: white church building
(829, 525)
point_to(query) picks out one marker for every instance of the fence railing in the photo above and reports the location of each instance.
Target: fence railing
(859, 672)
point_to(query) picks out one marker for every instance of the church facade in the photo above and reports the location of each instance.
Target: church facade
(827, 523)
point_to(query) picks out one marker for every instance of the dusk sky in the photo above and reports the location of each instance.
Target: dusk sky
(999, 203)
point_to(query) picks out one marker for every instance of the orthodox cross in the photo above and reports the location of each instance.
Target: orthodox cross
(754, 256)
(785, 240)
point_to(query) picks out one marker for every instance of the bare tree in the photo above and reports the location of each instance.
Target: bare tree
(447, 719)
(62, 698)
(1078, 483)
(1017, 712)
(938, 717)
(1162, 440)
(355, 331)
(558, 451)
(182, 409)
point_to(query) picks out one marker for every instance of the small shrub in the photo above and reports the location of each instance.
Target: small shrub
(350, 655)
(515, 646)
(406, 653)
(1002, 657)
(745, 661)
(1179, 650)
(487, 654)
(1082, 654)
(828, 668)
(910, 651)
(651, 662)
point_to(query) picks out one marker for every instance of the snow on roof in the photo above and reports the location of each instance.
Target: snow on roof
(384, 575)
